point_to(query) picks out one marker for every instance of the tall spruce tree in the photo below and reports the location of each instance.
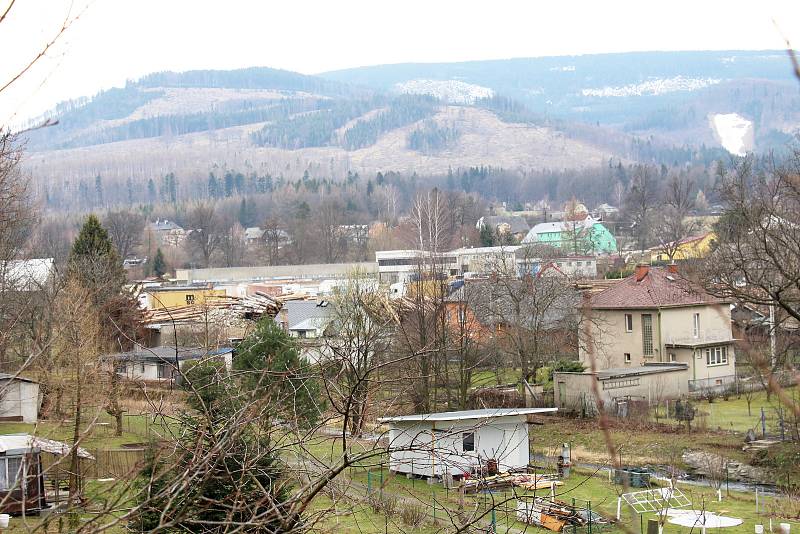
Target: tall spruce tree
(95, 266)
(159, 264)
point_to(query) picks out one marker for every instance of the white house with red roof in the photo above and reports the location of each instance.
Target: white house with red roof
(657, 317)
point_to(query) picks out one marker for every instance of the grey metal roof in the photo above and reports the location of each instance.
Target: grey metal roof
(547, 303)
(486, 413)
(299, 311)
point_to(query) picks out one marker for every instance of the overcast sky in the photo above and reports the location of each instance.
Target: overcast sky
(116, 40)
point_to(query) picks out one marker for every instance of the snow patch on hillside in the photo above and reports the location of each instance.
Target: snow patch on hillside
(735, 133)
(654, 87)
(452, 91)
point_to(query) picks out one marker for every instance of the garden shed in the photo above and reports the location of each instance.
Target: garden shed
(460, 443)
(19, 398)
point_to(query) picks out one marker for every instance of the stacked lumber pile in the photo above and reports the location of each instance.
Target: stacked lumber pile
(528, 481)
(219, 309)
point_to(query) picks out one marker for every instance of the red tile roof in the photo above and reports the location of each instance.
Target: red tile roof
(659, 288)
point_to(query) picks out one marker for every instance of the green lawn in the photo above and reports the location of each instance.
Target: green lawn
(505, 375)
(586, 489)
(732, 414)
(136, 429)
(640, 442)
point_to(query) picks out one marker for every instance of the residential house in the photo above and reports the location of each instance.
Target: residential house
(581, 236)
(254, 235)
(305, 319)
(169, 233)
(460, 443)
(697, 246)
(517, 314)
(603, 211)
(20, 399)
(505, 225)
(657, 316)
(162, 363)
(574, 267)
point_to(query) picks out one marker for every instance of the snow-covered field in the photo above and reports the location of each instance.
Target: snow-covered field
(657, 86)
(452, 91)
(735, 133)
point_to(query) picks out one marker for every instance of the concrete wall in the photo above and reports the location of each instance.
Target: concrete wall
(231, 274)
(20, 399)
(437, 448)
(573, 389)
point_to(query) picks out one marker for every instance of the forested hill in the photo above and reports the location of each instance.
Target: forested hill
(524, 114)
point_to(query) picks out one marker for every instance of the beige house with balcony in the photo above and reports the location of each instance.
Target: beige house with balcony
(656, 316)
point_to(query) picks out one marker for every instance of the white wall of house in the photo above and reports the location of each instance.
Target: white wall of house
(437, 448)
(19, 399)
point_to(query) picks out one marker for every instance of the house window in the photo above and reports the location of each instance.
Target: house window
(468, 442)
(647, 334)
(580, 264)
(673, 357)
(141, 368)
(627, 357)
(189, 299)
(696, 325)
(717, 356)
(628, 322)
(10, 471)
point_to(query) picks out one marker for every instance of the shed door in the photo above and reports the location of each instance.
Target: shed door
(562, 394)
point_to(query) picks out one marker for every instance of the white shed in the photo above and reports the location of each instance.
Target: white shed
(457, 443)
(19, 399)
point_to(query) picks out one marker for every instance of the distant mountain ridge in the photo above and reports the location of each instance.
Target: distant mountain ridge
(537, 113)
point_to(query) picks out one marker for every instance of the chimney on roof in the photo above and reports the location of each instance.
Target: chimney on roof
(641, 271)
(672, 268)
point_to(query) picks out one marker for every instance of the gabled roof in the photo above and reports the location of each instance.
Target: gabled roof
(658, 288)
(560, 226)
(464, 415)
(297, 312)
(493, 305)
(253, 232)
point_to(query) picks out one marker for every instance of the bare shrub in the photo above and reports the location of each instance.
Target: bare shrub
(413, 516)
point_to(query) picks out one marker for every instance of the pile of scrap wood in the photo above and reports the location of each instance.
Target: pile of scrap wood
(554, 515)
(249, 307)
(528, 481)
